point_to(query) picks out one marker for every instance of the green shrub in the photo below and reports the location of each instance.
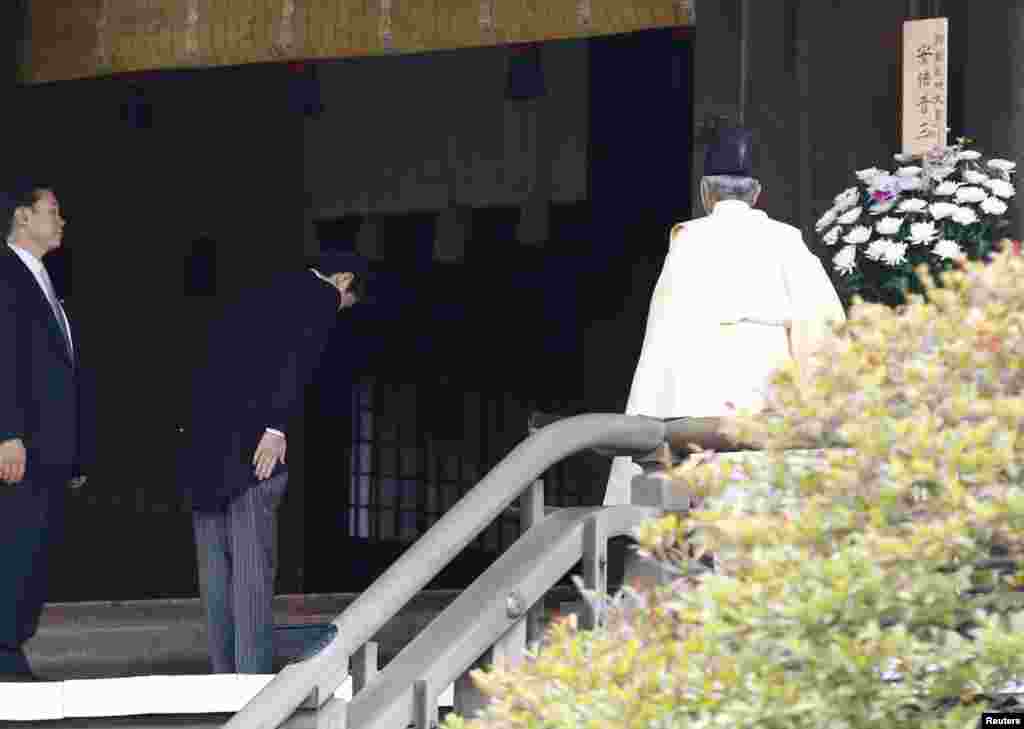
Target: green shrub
(855, 584)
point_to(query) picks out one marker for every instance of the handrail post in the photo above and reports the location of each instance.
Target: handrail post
(526, 632)
(469, 700)
(531, 511)
(531, 505)
(595, 565)
(324, 688)
(425, 710)
(511, 647)
(654, 487)
(365, 665)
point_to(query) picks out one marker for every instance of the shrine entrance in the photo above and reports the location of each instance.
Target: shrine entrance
(504, 329)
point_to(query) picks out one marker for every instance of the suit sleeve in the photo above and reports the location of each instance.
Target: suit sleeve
(298, 366)
(12, 414)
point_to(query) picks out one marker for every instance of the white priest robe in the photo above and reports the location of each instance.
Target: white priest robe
(739, 294)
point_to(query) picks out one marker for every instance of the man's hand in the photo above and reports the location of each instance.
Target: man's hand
(12, 460)
(271, 449)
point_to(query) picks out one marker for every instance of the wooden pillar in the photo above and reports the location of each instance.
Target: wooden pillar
(993, 82)
(716, 75)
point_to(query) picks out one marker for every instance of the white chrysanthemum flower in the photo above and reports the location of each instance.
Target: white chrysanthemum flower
(969, 155)
(946, 188)
(895, 253)
(908, 184)
(942, 210)
(970, 194)
(1001, 188)
(889, 225)
(941, 172)
(847, 198)
(913, 205)
(923, 232)
(858, 235)
(832, 236)
(866, 176)
(965, 216)
(909, 171)
(877, 248)
(975, 178)
(826, 220)
(902, 158)
(1002, 165)
(846, 260)
(947, 249)
(851, 216)
(993, 206)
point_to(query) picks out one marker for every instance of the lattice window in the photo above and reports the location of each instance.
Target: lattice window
(408, 471)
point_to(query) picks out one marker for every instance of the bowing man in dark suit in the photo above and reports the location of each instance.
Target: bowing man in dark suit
(260, 355)
(39, 415)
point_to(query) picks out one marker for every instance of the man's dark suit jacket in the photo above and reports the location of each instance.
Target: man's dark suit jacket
(39, 386)
(259, 355)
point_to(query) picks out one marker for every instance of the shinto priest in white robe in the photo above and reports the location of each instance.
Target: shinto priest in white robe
(739, 294)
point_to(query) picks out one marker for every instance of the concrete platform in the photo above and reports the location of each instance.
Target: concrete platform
(168, 637)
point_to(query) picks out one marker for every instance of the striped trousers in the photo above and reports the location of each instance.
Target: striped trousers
(237, 554)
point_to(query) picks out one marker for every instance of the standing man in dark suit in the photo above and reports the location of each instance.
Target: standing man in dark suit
(39, 416)
(260, 355)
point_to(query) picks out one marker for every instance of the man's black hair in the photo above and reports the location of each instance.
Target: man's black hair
(22, 195)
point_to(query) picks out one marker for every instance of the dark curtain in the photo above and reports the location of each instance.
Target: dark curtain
(640, 150)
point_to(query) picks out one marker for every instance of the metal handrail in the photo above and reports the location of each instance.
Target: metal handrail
(316, 678)
(680, 435)
(481, 615)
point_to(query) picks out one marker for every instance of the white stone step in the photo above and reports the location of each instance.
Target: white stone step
(141, 696)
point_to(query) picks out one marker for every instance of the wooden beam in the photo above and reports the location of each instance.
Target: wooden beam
(72, 39)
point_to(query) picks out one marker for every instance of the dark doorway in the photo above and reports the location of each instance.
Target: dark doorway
(641, 103)
(426, 390)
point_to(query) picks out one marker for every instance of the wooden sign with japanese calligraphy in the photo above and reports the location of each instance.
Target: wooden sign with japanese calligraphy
(925, 86)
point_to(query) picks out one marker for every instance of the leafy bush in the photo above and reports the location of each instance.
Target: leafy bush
(866, 579)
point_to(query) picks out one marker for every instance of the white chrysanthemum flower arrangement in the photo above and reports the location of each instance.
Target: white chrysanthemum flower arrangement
(948, 205)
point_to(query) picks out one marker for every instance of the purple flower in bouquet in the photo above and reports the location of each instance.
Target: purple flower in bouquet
(885, 188)
(940, 162)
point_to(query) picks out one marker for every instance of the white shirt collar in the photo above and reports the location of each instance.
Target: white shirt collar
(42, 278)
(321, 276)
(730, 206)
(34, 264)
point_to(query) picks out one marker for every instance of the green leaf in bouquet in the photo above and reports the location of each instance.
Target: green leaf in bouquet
(896, 283)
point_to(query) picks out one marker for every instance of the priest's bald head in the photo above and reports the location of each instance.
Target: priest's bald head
(728, 169)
